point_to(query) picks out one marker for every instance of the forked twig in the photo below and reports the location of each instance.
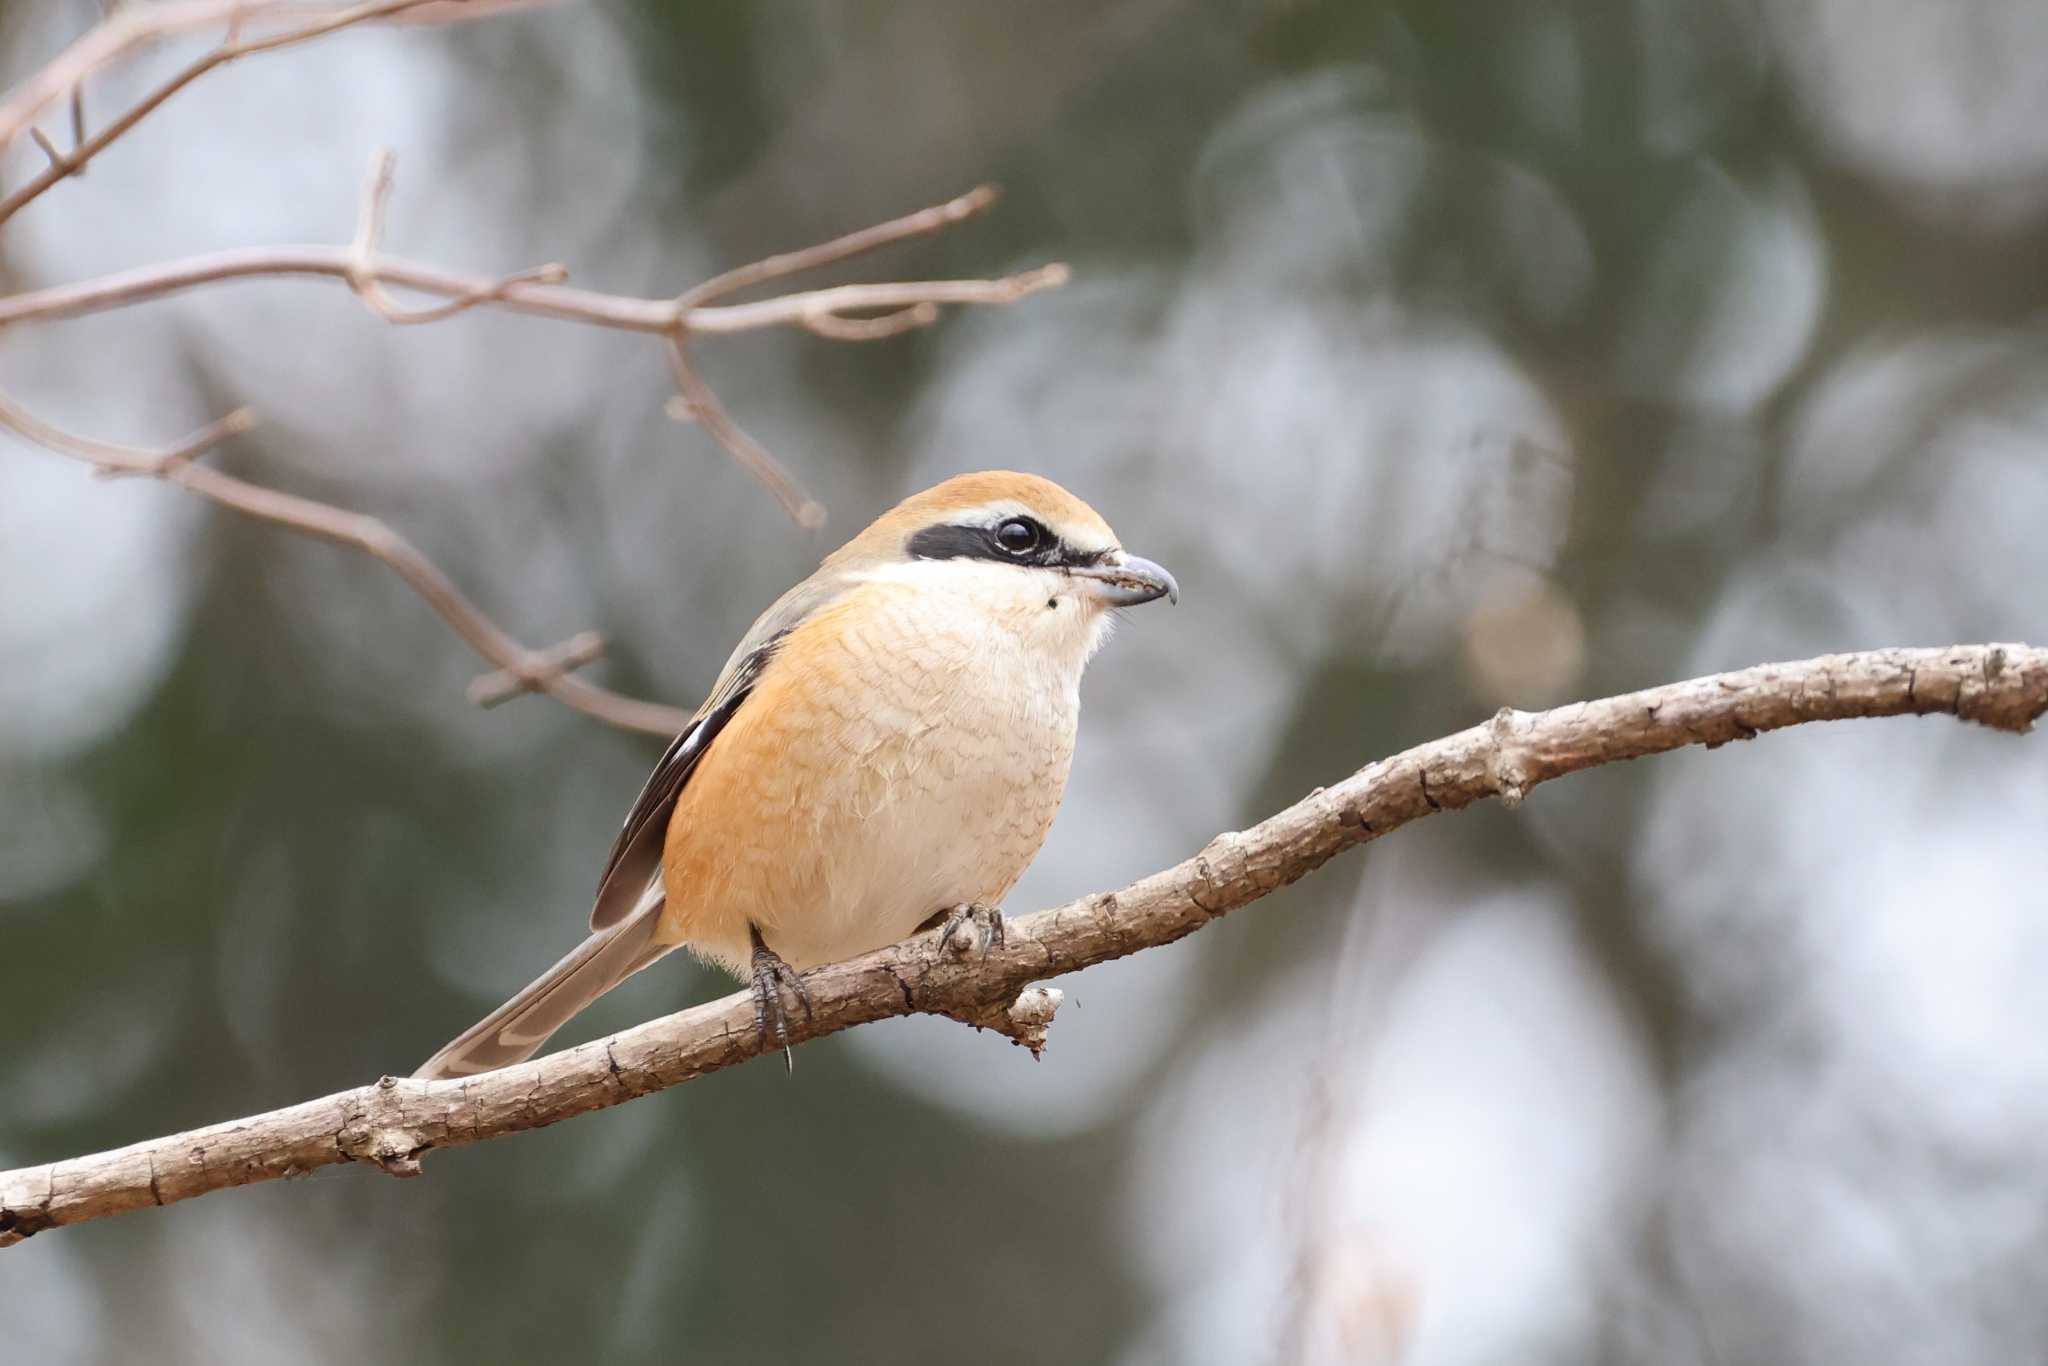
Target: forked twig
(903, 306)
(129, 28)
(363, 275)
(360, 266)
(233, 46)
(502, 685)
(541, 670)
(701, 404)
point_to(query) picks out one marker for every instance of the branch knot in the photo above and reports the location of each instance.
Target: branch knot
(1990, 697)
(1506, 771)
(1023, 1020)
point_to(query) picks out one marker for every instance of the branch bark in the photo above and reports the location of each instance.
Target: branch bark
(392, 1123)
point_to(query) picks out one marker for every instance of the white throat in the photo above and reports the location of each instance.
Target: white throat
(1051, 616)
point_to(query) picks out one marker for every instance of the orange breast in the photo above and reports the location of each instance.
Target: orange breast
(894, 760)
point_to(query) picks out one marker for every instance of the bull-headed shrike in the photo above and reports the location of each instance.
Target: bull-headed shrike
(885, 749)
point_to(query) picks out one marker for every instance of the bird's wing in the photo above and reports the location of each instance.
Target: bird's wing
(629, 903)
(629, 896)
(636, 855)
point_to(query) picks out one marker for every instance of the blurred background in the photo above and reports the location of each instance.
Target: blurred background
(1453, 356)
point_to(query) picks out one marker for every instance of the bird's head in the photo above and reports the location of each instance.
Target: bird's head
(1019, 547)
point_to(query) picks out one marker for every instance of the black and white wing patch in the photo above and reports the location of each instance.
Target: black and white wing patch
(636, 856)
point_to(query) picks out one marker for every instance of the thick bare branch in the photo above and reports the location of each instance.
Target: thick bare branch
(393, 1123)
(543, 671)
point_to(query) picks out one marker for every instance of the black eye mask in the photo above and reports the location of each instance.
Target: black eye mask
(1013, 540)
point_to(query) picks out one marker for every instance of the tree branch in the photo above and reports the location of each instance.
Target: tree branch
(903, 304)
(393, 1122)
(697, 402)
(362, 255)
(518, 669)
(565, 303)
(121, 32)
(130, 28)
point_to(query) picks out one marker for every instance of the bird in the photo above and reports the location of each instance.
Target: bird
(884, 751)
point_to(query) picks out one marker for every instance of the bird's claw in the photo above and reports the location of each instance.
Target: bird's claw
(771, 974)
(987, 921)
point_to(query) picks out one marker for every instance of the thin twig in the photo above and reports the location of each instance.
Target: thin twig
(532, 673)
(111, 458)
(234, 46)
(357, 531)
(896, 308)
(129, 28)
(878, 328)
(364, 270)
(78, 120)
(703, 406)
(393, 1123)
(126, 30)
(363, 277)
(49, 148)
(564, 303)
(124, 288)
(796, 309)
(903, 305)
(921, 223)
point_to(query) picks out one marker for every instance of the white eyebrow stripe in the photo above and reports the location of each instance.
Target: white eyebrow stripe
(988, 514)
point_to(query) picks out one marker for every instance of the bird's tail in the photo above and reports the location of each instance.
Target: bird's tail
(515, 1031)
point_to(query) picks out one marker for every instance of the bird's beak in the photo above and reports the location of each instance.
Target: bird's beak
(1128, 582)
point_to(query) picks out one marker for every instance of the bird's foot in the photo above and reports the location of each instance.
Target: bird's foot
(771, 974)
(968, 923)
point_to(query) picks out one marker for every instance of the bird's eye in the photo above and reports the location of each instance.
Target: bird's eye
(1019, 535)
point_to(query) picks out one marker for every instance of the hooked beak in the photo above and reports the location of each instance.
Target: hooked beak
(1128, 582)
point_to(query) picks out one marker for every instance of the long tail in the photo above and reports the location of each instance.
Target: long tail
(515, 1031)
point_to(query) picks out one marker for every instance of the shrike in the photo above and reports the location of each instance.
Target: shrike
(885, 748)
